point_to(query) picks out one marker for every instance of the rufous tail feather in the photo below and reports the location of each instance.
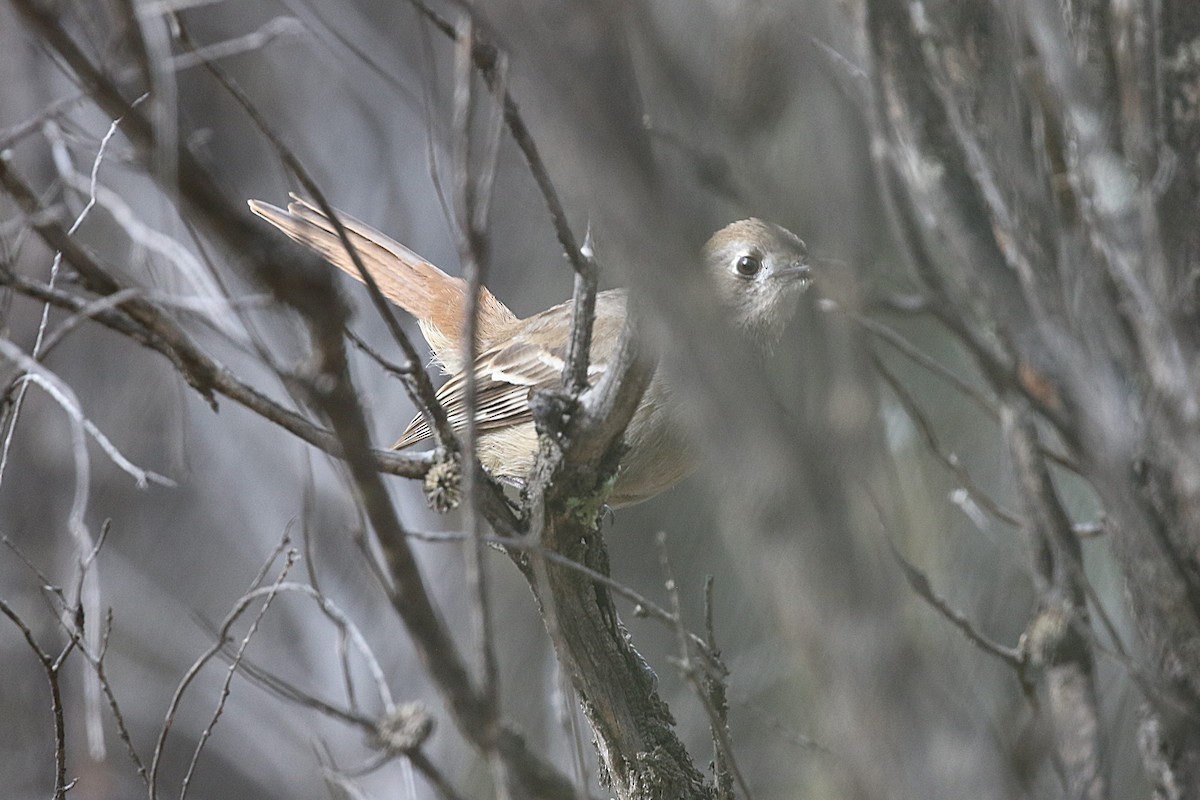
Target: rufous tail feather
(436, 299)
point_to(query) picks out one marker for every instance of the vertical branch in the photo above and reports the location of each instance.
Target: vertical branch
(52, 667)
(1122, 222)
(489, 61)
(583, 314)
(471, 208)
(714, 695)
(709, 687)
(472, 245)
(1057, 644)
(1136, 40)
(10, 418)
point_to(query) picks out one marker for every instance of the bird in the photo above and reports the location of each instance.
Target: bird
(758, 269)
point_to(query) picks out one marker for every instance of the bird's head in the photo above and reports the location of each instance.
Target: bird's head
(760, 270)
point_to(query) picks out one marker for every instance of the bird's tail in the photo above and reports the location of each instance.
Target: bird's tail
(436, 299)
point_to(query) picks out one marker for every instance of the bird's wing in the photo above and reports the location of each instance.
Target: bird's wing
(506, 376)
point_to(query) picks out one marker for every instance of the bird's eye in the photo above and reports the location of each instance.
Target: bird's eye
(748, 266)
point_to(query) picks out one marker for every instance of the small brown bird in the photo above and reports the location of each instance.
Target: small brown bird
(759, 270)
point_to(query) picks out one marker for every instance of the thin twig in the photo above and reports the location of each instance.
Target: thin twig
(919, 583)
(982, 401)
(949, 460)
(486, 57)
(264, 679)
(643, 606)
(51, 666)
(1054, 642)
(389, 366)
(418, 383)
(234, 662)
(727, 763)
(714, 690)
(194, 670)
(207, 375)
(906, 348)
(97, 662)
(11, 136)
(54, 268)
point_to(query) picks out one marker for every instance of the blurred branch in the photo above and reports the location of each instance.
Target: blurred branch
(141, 321)
(487, 58)
(1054, 645)
(919, 583)
(417, 382)
(981, 401)
(925, 174)
(910, 351)
(472, 201)
(13, 135)
(712, 169)
(949, 460)
(707, 680)
(300, 283)
(1005, 192)
(277, 28)
(431, 773)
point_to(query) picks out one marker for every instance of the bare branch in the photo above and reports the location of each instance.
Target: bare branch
(709, 686)
(51, 666)
(202, 372)
(1053, 644)
(487, 59)
(949, 460)
(472, 196)
(235, 661)
(920, 584)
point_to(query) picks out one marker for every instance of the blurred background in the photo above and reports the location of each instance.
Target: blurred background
(753, 109)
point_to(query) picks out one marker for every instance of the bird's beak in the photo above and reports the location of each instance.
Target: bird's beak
(796, 272)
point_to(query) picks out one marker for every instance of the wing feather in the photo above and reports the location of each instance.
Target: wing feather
(508, 375)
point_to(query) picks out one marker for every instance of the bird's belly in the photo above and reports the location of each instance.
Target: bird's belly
(510, 452)
(660, 460)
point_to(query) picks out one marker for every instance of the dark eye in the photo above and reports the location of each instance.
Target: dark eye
(748, 266)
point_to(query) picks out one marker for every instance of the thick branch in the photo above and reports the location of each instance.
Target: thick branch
(639, 750)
